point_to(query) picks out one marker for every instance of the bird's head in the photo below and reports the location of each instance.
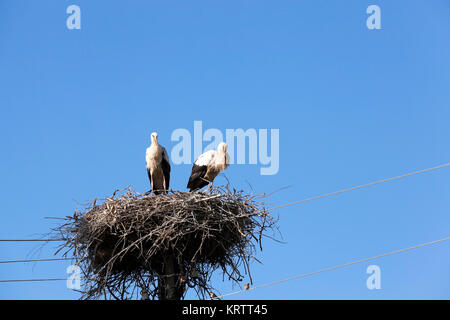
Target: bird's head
(222, 147)
(154, 138)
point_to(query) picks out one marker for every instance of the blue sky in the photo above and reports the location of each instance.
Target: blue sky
(352, 105)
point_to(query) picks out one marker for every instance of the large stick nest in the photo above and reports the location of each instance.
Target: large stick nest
(124, 244)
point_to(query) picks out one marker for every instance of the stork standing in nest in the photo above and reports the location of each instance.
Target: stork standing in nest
(158, 166)
(208, 166)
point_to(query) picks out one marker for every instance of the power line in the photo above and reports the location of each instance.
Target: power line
(361, 186)
(32, 280)
(337, 267)
(30, 240)
(35, 260)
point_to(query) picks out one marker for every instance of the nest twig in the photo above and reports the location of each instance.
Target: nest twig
(132, 245)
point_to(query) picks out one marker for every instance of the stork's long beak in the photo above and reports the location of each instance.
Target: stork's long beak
(154, 140)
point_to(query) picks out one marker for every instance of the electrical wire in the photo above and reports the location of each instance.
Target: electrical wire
(361, 186)
(32, 280)
(337, 267)
(35, 260)
(30, 240)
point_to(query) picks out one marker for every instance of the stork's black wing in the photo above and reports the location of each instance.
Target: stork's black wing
(165, 166)
(196, 180)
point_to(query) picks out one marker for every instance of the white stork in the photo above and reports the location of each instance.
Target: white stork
(207, 167)
(158, 166)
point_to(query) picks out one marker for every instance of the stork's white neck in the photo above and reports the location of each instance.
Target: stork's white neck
(221, 162)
